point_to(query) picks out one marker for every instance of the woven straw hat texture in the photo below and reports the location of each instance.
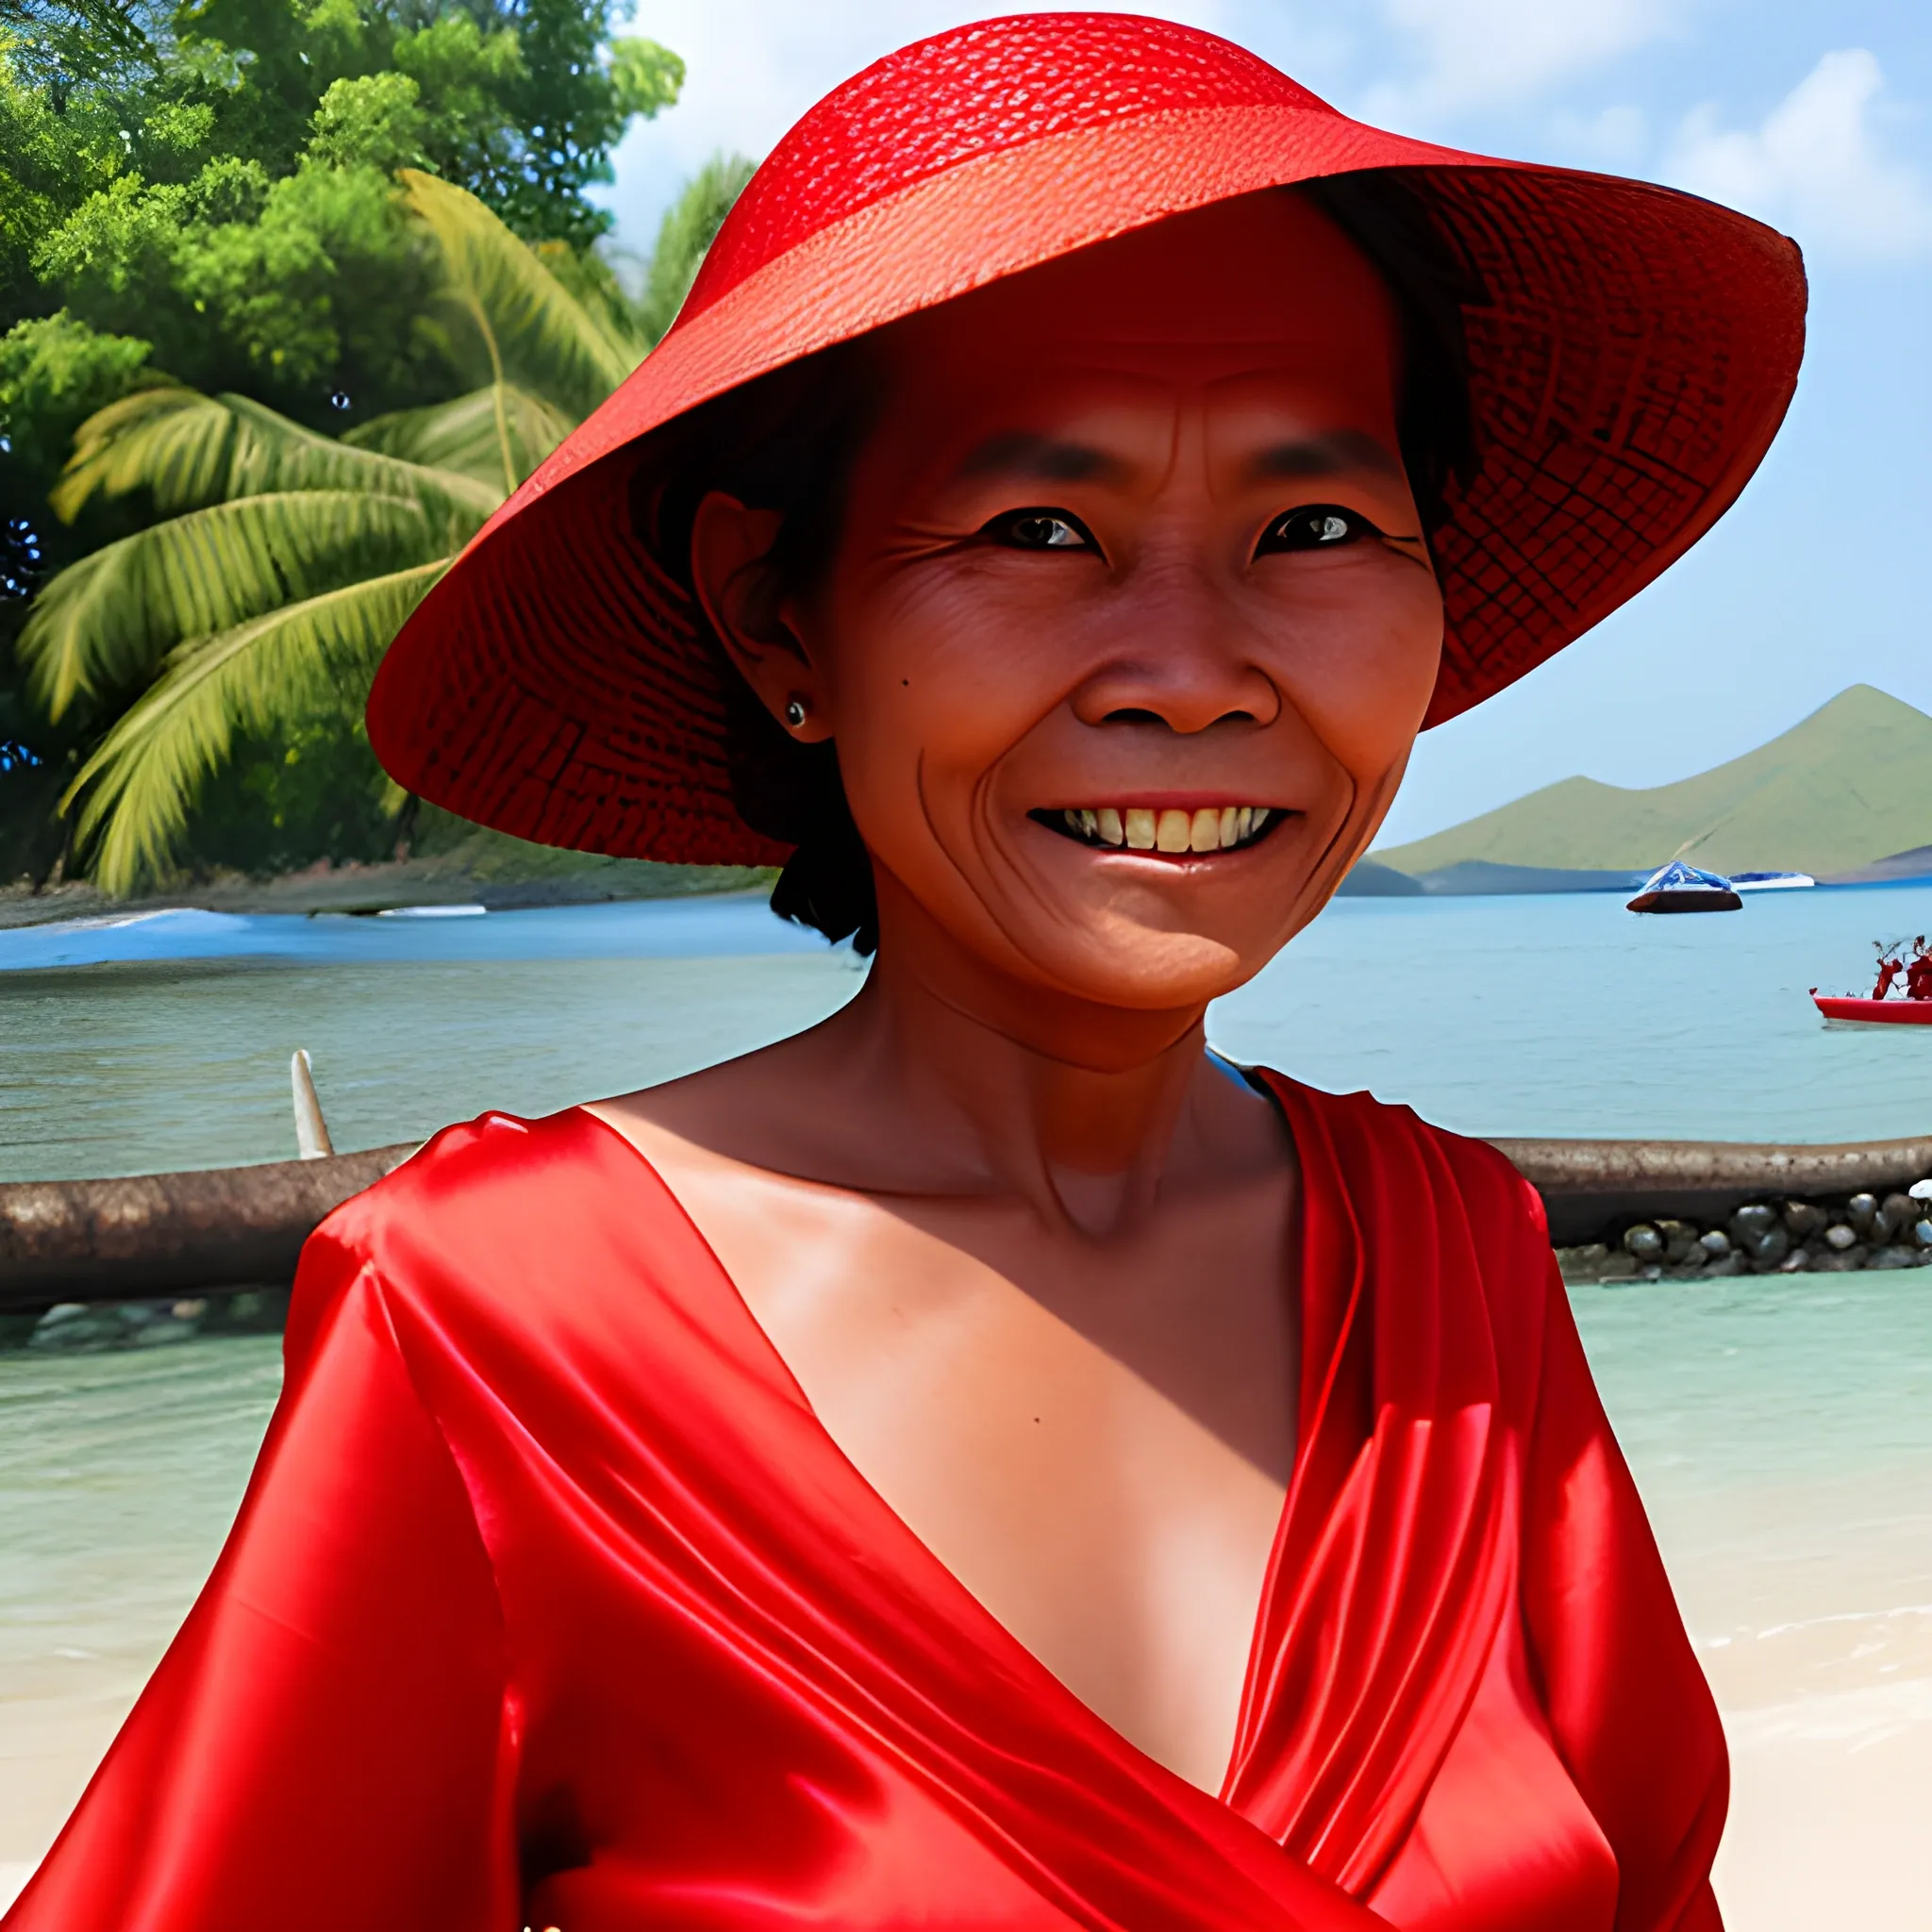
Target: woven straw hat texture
(1632, 356)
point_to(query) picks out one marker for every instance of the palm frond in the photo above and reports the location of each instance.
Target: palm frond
(307, 659)
(466, 436)
(105, 621)
(690, 226)
(534, 331)
(189, 450)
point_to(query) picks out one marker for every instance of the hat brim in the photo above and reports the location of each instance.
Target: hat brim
(1636, 355)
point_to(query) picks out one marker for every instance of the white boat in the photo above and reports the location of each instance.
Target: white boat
(1770, 881)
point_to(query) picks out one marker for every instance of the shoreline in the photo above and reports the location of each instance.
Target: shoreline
(500, 880)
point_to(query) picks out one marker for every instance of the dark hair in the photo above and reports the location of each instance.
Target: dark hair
(785, 442)
(788, 441)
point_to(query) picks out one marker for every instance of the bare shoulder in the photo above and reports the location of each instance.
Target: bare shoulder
(777, 1110)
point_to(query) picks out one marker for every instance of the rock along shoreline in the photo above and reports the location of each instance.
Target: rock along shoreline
(1690, 1210)
(1775, 1236)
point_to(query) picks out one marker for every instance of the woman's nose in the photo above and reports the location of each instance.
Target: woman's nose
(1177, 656)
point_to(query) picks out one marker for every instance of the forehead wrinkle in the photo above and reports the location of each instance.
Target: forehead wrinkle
(1040, 459)
(1327, 454)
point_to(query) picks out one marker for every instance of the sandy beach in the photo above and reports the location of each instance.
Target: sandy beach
(1782, 1437)
(1830, 1718)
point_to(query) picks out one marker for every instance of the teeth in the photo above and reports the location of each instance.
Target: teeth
(1213, 828)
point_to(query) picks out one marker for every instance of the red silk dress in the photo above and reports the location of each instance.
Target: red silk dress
(552, 1603)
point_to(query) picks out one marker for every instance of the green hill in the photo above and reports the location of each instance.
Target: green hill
(1849, 785)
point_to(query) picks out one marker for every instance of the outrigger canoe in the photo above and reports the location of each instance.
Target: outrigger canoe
(1874, 1012)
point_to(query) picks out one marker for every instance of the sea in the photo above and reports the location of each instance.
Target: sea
(1780, 1430)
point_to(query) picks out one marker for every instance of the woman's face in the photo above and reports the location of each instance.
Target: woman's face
(1131, 626)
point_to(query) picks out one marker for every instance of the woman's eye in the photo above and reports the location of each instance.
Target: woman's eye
(1040, 529)
(1315, 527)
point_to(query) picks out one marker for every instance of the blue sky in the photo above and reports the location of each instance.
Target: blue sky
(1815, 119)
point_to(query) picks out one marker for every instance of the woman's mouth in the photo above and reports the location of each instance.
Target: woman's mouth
(1170, 830)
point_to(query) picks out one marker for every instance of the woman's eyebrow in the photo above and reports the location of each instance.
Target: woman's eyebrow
(1042, 460)
(1324, 455)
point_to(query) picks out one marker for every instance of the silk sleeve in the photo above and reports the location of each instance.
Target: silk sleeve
(1626, 1700)
(326, 1743)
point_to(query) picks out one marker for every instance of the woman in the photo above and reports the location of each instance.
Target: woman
(986, 1461)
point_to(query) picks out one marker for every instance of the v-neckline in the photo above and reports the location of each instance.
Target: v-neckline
(994, 1635)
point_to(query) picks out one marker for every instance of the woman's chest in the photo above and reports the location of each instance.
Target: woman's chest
(1093, 1439)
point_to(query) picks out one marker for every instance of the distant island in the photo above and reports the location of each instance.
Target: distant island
(1845, 793)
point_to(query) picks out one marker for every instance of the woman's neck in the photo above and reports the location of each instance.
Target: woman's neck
(953, 1058)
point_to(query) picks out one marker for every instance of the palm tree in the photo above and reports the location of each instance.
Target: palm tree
(286, 560)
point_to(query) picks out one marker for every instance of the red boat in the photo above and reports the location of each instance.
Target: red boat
(1875, 1012)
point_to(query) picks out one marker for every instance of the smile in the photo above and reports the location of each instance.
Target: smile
(1146, 829)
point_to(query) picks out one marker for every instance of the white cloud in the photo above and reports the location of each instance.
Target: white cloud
(1815, 165)
(1474, 54)
(1618, 138)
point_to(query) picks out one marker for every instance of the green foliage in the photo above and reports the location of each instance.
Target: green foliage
(302, 289)
(375, 121)
(308, 663)
(684, 234)
(267, 515)
(520, 103)
(493, 432)
(186, 450)
(250, 617)
(301, 795)
(50, 161)
(645, 79)
(65, 40)
(512, 319)
(55, 373)
(213, 178)
(569, 112)
(207, 188)
(285, 560)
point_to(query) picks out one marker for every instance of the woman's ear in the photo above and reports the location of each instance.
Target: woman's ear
(728, 547)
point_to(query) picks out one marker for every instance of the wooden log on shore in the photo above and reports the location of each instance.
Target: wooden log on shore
(1587, 1185)
(217, 1230)
(223, 1229)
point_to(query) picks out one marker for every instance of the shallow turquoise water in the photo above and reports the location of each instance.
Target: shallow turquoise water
(1551, 1015)
(1566, 1015)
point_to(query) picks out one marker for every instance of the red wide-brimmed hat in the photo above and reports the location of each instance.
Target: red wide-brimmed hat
(1631, 352)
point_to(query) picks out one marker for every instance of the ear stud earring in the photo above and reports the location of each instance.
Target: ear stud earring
(794, 712)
